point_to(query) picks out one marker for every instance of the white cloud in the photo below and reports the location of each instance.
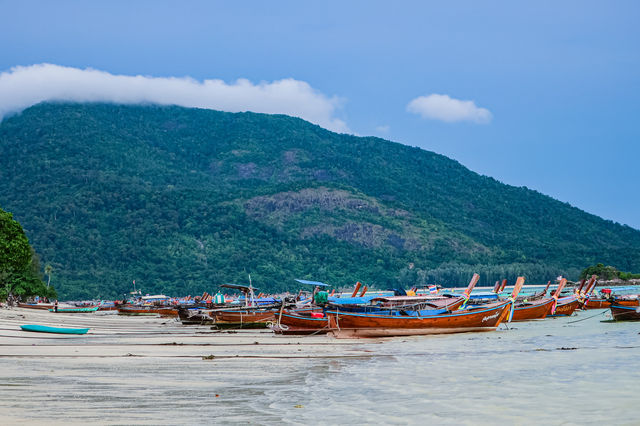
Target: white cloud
(22, 87)
(383, 129)
(450, 110)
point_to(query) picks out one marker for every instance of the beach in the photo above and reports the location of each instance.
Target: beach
(152, 370)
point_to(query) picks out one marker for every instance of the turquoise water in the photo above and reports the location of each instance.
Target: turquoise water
(576, 370)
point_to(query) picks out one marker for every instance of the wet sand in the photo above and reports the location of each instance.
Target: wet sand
(149, 370)
(127, 364)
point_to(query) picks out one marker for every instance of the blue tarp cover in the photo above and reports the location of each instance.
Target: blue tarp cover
(318, 283)
(350, 300)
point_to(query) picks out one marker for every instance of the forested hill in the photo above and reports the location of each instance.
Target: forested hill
(182, 200)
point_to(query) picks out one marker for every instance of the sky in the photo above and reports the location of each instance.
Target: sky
(539, 94)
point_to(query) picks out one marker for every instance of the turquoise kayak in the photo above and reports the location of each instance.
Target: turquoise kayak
(59, 330)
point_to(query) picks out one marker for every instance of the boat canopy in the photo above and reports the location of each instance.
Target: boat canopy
(154, 297)
(318, 283)
(243, 288)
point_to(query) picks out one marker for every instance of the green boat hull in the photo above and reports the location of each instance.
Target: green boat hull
(69, 310)
(58, 330)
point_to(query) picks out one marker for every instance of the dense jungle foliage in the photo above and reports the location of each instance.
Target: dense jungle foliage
(182, 200)
(20, 274)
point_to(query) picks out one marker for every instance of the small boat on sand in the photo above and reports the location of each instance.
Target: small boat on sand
(57, 330)
(165, 311)
(65, 309)
(43, 306)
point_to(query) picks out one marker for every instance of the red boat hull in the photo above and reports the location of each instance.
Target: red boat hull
(239, 318)
(300, 324)
(487, 318)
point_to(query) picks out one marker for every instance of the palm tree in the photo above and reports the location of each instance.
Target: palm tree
(48, 269)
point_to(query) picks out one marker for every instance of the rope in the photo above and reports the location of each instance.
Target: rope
(601, 313)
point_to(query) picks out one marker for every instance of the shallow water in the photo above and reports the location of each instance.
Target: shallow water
(575, 370)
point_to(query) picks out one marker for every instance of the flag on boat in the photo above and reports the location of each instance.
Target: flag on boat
(433, 289)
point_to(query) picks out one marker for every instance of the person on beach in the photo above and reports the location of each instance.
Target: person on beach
(320, 297)
(55, 306)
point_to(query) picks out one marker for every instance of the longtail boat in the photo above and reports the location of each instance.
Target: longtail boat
(352, 324)
(585, 296)
(310, 321)
(165, 311)
(625, 313)
(300, 323)
(536, 296)
(58, 330)
(449, 302)
(252, 315)
(244, 318)
(439, 321)
(537, 309)
(68, 310)
(108, 306)
(43, 306)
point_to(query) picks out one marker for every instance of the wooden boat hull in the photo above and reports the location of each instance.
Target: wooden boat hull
(108, 308)
(292, 323)
(74, 310)
(250, 319)
(43, 306)
(626, 302)
(537, 309)
(152, 310)
(566, 308)
(195, 317)
(596, 304)
(439, 302)
(625, 313)
(349, 325)
(57, 330)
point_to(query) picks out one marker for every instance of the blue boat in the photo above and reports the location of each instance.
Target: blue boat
(58, 330)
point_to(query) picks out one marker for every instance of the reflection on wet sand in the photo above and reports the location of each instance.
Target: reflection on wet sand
(157, 371)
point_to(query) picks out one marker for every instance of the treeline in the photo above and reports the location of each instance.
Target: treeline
(607, 273)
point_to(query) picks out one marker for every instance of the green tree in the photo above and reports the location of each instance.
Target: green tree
(15, 252)
(48, 269)
(19, 265)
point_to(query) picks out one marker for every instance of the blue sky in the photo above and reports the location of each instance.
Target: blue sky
(560, 79)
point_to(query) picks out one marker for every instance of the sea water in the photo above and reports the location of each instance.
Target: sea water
(575, 370)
